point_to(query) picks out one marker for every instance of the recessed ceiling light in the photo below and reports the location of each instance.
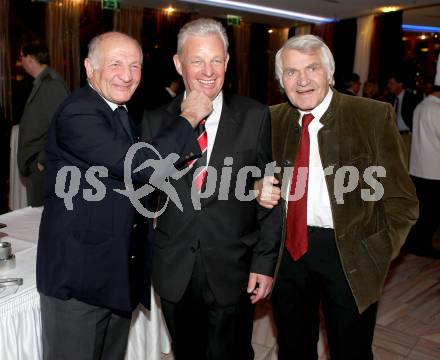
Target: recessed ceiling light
(387, 9)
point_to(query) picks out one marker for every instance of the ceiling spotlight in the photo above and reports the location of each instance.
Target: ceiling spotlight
(169, 10)
(387, 9)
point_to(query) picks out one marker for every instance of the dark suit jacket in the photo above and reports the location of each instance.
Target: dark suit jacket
(409, 103)
(48, 92)
(358, 132)
(159, 97)
(89, 253)
(235, 237)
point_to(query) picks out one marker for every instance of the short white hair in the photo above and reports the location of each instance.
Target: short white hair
(96, 42)
(306, 44)
(201, 27)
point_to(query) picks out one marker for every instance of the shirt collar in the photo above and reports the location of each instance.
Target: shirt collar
(112, 105)
(318, 111)
(171, 92)
(41, 75)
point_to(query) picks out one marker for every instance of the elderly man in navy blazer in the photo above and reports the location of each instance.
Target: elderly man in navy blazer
(91, 272)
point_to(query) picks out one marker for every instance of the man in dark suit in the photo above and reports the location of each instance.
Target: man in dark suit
(212, 261)
(163, 93)
(91, 269)
(404, 102)
(342, 230)
(351, 85)
(48, 92)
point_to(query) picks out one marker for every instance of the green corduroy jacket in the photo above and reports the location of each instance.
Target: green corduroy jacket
(357, 133)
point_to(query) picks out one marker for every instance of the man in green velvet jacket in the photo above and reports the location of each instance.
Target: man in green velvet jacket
(357, 207)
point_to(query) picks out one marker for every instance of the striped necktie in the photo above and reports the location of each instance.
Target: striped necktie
(200, 174)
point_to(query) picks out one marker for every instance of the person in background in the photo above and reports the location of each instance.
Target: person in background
(404, 102)
(424, 168)
(352, 85)
(48, 92)
(339, 241)
(164, 94)
(93, 257)
(212, 262)
(370, 90)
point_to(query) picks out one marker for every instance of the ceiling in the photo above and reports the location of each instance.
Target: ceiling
(419, 12)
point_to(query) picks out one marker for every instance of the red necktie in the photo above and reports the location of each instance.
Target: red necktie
(296, 230)
(200, 176)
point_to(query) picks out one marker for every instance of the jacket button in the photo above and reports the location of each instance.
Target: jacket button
(287, 162)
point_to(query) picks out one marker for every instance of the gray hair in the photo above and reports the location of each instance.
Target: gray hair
(201, 27)
(96, 42)
(306, 44)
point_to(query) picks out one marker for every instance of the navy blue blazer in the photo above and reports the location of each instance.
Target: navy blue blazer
(99, 251)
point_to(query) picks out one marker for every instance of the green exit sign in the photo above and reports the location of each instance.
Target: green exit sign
(111, 4)
(234, 20)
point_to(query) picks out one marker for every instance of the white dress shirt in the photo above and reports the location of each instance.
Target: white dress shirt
(112, 105)
(318, 201)
(400, 122)
(425, 146)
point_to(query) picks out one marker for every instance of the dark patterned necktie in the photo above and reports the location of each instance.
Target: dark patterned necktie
(123, 117)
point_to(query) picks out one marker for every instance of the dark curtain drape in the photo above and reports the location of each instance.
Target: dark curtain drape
(386, 54)
(240, 56)
(276, 40)
(258, 62)
(325, 32)
(344, 47)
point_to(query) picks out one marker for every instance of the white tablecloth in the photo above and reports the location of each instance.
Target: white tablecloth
(20, 326)
(17, 188)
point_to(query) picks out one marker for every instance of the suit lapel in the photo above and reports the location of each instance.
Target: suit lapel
(173, 109)
(227, 128)
(34, 91)
(290, 126)
(224, 139)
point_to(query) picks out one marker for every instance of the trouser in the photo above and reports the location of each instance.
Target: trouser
(202, 329)
(420, 238)
(74, 330)
(301, 287)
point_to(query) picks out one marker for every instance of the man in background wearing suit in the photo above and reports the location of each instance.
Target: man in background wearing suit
(163, 93)
(404, 103)
(351, 85)
(211, 263)
(48, 92)
(92, 270)
(341, 233)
